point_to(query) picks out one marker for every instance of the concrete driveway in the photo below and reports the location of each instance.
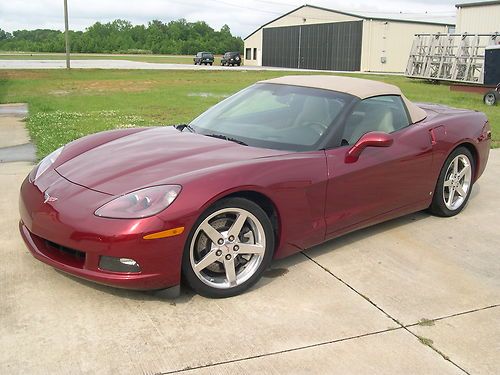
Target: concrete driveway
(417, 295)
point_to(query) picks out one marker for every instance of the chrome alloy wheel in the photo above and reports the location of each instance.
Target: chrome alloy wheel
(227, 248)
(457, 182)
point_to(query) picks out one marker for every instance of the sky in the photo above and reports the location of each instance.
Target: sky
(243, 17)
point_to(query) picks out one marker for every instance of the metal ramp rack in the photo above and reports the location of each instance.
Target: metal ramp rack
(449, 57)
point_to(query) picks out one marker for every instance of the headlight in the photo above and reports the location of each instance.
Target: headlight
(140, 203)
(44, 164)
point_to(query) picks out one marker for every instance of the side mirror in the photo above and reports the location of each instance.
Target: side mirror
(371, 139)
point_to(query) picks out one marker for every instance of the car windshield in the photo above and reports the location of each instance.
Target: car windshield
(207, 55)
(274, 116)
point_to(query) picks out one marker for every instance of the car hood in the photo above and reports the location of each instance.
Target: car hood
(156, 156)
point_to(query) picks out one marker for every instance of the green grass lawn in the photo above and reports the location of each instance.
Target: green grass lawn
(65, 105)
(163, 59)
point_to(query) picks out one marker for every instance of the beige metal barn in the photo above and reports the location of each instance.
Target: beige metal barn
(478, 17)
(312, 37)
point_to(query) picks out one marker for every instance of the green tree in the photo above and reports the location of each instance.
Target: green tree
(174, 37)
(4, 35)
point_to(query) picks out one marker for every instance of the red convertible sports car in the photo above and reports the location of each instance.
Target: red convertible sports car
(278, 167)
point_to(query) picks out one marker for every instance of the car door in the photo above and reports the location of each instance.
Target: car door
(382, 179)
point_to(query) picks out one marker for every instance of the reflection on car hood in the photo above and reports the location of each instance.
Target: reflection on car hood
(155, 156)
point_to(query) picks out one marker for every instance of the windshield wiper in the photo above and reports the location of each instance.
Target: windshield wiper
(220, 136)
(181, 127)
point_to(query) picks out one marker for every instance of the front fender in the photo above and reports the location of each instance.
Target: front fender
(295, 183)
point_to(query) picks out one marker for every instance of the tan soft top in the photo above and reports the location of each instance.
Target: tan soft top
(361, 88)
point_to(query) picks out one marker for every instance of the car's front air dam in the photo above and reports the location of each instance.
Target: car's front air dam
(69, 223)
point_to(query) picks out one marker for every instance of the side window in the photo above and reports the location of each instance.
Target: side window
(248, 54)
(385, 113)
(255, 53)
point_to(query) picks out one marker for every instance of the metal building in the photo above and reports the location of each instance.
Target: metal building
(478, 17)
(311, 37)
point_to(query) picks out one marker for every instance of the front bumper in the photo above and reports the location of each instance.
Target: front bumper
(66, 235)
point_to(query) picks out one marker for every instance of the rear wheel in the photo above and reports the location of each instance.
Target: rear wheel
(454, 185)
(230, 246)
(491, 97)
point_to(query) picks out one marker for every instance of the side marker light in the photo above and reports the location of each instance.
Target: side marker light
(166, 233)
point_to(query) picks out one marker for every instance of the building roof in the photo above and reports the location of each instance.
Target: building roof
(477, 4)
(401, 17)
(361, 88)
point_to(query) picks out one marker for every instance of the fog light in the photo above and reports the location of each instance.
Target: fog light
(118, 264)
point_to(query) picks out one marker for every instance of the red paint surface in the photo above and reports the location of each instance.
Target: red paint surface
(318, 195)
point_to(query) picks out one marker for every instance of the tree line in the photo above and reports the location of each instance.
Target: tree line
(120, 36)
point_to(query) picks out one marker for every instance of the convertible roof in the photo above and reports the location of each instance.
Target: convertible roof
(361, 88)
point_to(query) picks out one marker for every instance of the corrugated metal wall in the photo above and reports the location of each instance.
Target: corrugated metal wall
(478, 19)
(280, 47)
(330, 46)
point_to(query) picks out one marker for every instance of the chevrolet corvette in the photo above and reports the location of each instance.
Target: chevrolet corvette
(274, 169)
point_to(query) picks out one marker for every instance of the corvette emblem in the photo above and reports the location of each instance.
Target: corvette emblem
(48, 198)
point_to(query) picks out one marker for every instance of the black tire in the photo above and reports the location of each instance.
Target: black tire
(438, 206)
(491, 97)
(189, 275)
(210, 64)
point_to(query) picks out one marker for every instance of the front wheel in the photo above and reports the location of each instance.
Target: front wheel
(454, 185)
(230, 246)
